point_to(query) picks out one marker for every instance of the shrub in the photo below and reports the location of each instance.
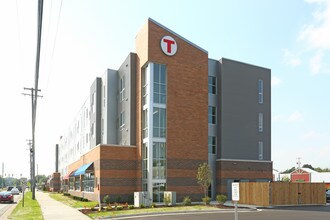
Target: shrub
(206, 200)
(119, 207)
(153, 205)
(142, 206)
(106, 199)
(186, 200)
(66, 194)
(221, 199)
(131, 206)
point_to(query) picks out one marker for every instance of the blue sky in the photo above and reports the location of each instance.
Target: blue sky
(81, 38)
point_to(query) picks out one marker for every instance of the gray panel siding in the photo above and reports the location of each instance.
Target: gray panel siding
(239, 112)
(109, 107)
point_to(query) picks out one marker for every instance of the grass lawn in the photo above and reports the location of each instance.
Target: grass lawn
(31, 209)
(150, 210)
(71, 202)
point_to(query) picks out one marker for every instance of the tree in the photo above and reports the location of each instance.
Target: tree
(289, 170)
(204, 177)
(308, 166)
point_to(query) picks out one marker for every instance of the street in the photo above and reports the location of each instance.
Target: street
(5, 206)
(292, 213)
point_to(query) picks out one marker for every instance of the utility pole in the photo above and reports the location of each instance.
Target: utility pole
(299, 162)
(3, 168)
(32, 149)
(30, 154)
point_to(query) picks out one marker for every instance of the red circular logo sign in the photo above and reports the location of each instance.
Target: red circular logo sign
(168, 45)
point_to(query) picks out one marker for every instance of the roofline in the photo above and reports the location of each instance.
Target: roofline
(223, 58)
(178, 35)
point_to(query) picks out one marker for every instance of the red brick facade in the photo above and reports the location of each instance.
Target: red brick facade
(187, 102)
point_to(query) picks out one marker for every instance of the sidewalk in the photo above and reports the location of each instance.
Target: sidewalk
(52, 209)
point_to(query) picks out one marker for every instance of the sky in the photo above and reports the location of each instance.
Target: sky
(82, 38)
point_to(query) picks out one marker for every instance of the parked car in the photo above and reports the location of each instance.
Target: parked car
(9, 188)
(6, 196)
(14, 191)
(328, 195)
(19, 188)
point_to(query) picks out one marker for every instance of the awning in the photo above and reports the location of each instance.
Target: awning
(67, 176)
(82, 170)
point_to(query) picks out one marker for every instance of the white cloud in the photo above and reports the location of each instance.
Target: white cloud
(296, 116)
(275, 81)
(313, 135)
(315, 63)
(291, 58)
(317, 34)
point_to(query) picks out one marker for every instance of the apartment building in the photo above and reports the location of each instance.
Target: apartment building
(168, 108)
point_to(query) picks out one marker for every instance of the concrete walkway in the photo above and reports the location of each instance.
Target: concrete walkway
(52, 209)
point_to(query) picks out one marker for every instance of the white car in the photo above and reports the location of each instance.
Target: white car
(14, 191)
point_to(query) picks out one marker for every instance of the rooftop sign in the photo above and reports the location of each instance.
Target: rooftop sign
(168, 45)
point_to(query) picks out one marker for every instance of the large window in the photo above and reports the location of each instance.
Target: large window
(159, 83)
(122, 89)
(71, 183)
(261, 122)
(212, 85)
(212, 115)
(159, 160)
(77, 183)
(144, 87)
(212, 144)
(145, 160)
(159, 122)
(260, 91)
(145, 123)
(88, 182)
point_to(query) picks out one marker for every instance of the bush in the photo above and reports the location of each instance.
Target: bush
(131, 206)
(142, 206)
(206, 200)
(186, 201)
(66, 194)
(221, 199)
(119, 207)
(153, 205)
(106, 199)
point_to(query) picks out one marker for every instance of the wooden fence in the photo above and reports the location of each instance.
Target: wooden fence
(281, 193)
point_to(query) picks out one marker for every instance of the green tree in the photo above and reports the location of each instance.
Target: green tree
(289, 170)
(204, 177)
(308, 166)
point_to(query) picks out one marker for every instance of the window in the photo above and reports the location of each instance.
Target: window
(94, 102)
(159, 160)
(261, 122)
(159, 122)
(122, 120)
(145, 161)
(71, 183)
(261, 150)
(77, 183)
(88, 182)
(159, 83)
(212, 85)
(145, 123)
(260, 91)
(122, 89)
(212, 116)
(144, 87)
(212, 144)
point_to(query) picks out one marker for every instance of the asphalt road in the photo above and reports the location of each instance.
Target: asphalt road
(291, 213)
(5, 206)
